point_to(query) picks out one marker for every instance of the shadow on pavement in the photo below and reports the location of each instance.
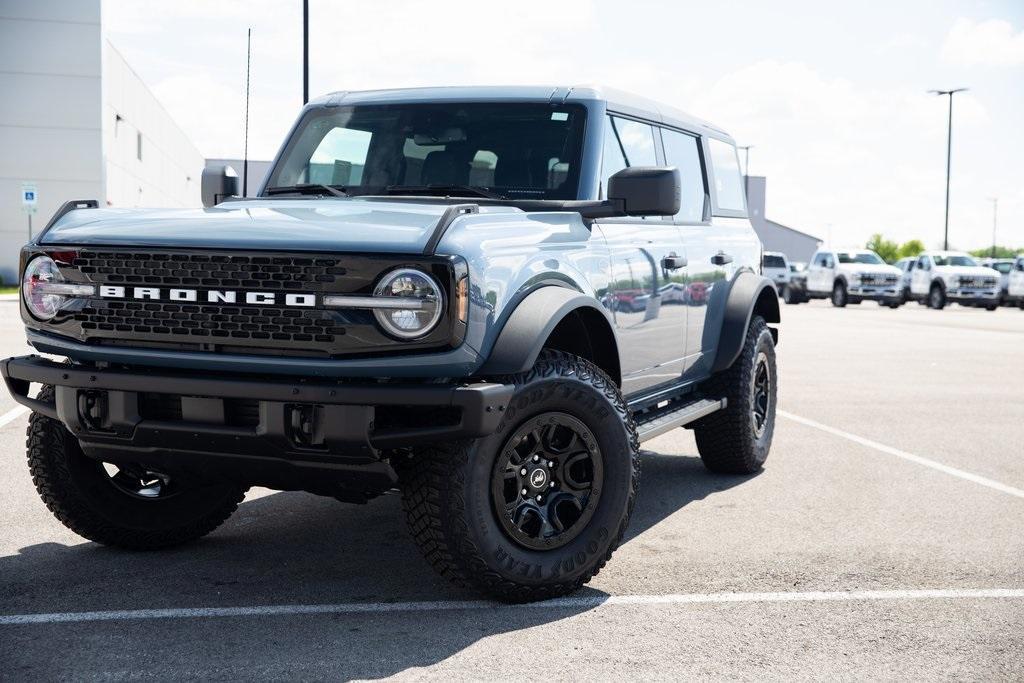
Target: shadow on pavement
(281, 548)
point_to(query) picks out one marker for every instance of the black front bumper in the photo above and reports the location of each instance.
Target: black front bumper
(288, 433)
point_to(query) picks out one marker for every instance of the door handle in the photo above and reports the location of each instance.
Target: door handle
(673, 262)
(721, 258)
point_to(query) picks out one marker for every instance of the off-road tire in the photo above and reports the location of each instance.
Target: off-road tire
(789, 296)
(936, 297)
(446, 490)
(727, 440)
(78, 492)
(839, 296)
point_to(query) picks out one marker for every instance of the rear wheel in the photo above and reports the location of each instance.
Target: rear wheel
(736, 439)
(123, 505)
(839, 298)
(535, 510)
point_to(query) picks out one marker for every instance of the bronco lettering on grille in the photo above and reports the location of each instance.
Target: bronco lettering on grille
(212, 296)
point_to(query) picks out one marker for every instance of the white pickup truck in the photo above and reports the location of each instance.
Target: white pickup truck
(849, 276)
(941, 277)
(1015, 283)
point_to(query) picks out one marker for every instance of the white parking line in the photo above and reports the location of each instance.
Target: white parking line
(969, 476)
(12, 415)
(580, 602)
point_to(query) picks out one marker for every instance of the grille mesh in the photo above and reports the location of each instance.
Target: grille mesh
(222, 322)
(210, 270)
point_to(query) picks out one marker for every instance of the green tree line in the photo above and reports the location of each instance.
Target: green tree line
(891, 251)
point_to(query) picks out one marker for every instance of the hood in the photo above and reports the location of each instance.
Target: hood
(975, 271)
(328, 225)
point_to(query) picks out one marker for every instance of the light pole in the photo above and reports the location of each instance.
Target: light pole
(949, 155)
(995, 214)
(305, 52)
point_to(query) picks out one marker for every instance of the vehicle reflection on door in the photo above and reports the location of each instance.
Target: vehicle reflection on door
(645, 303)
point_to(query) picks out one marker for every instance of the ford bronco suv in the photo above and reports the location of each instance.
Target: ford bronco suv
(426, 294)
(849, 276)
(941, 277)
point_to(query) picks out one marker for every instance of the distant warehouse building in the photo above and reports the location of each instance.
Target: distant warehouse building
(77, 123)
(796, 245)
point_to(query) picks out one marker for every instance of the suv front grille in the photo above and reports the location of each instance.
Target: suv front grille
(879, 279)
(983, 282)
(211, 325)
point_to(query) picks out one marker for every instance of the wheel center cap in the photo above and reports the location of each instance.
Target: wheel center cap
(538, 478)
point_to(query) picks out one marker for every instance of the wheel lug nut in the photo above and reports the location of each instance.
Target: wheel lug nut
(523, 471)
(540, 499)
(551, 485)
(550, 464)
(536, 458)
(525, 492)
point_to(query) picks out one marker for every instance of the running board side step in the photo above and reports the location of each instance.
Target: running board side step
(667, 421)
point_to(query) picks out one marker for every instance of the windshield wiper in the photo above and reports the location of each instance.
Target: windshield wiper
(309, 188)
(443, 190)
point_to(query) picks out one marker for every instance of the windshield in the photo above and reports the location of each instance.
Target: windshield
(1003, 267)
(954, 260)
(859, 257)
(508, 150)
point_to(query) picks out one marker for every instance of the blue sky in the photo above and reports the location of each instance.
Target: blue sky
(831, 95)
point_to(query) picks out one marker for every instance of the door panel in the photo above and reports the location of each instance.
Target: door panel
(649, 319)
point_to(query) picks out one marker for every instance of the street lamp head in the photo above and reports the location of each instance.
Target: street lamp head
(948, 92)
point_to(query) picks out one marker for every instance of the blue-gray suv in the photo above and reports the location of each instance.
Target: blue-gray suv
(484, 297)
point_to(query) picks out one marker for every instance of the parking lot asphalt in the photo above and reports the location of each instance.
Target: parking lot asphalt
(882, 540)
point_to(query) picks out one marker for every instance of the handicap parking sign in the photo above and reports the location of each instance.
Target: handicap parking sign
(29, 197)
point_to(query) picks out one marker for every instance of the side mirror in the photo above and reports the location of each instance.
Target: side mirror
(646, 190)
(219, 182)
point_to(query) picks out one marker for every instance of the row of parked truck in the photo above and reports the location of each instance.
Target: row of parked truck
(933, 278)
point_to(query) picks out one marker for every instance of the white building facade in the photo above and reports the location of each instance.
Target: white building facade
(77, 123)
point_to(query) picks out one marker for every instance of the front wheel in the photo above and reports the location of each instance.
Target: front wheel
(736, 439)
(839, 298)
(536, 509)
(124, 505)
(936, 297)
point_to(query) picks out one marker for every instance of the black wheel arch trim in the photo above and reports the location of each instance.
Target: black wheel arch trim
(529, 326)
(749, 292)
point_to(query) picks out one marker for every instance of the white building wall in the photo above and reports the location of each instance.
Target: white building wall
(168, 173)
(50, 128)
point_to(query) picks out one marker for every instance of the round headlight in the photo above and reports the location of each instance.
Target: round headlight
(36, 288)
(417, 303)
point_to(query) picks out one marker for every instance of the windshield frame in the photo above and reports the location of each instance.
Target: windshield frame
(971, 262)
(852, 255)
(584, 175)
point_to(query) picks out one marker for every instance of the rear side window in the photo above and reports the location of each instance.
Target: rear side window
(774, 262)
(728, 181)
(681, 151)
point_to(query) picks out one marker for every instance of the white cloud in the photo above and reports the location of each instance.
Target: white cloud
(986, 43)
(863, 159)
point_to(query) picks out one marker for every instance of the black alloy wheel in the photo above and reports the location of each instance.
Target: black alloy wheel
(760, 404)
(547, 481)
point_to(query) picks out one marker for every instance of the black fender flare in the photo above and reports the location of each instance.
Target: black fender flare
(528, 327)
(749, 292)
